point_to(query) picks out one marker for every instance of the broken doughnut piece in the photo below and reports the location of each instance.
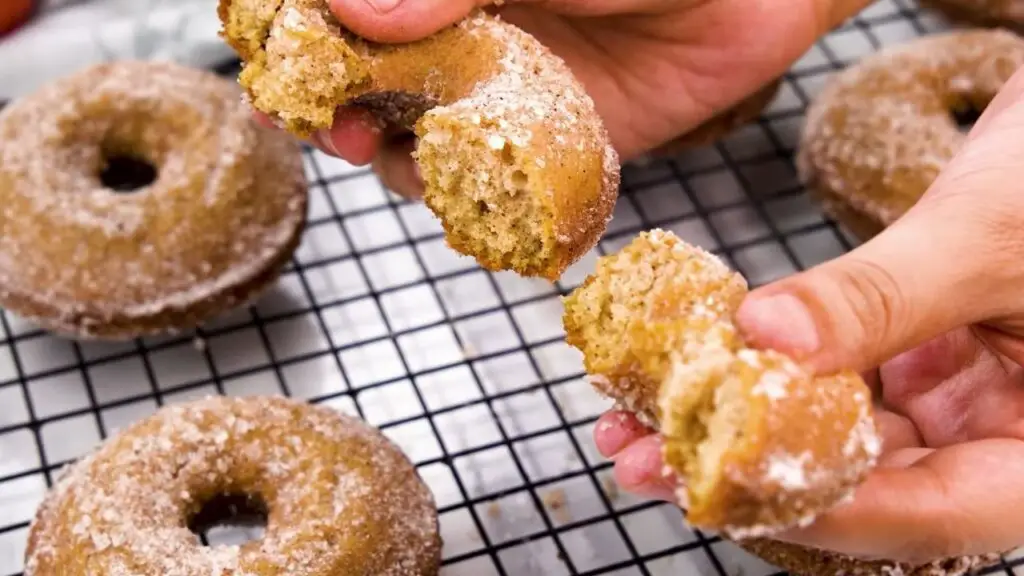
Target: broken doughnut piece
(761, 444)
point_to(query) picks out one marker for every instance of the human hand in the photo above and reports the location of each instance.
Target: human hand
(951, 409)
(655, 68)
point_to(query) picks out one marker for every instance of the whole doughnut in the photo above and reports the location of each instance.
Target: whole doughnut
(515, 160)
(762, 445)
(881, 131)
(339, 497)
(1009, 13)
(214, 228)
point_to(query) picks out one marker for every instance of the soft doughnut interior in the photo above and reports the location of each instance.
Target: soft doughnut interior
(625, 317)
(491, 205)
(703, 415)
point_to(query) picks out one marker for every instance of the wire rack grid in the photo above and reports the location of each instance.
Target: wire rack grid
(466, 370)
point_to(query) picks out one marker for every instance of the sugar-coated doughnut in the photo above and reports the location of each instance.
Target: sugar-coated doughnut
(721, 124)
(761, 444)
(338, 497)
(801, 561)
(881, 131)
(1008, 13)
(222, 213)
(515, 160)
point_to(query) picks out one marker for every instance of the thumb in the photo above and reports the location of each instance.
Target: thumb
(887, 296)
(953, 260)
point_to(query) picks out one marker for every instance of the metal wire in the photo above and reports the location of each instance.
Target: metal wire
(466, 370)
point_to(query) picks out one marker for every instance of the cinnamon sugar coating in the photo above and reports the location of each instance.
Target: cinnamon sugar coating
(341, 498)
(213, 229)
(801, 561)
(881, 131)
(763, 445)
(1008, 13)
(515, 160)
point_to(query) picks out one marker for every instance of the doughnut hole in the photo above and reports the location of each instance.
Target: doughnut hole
(230, 516)
(126, 174)
(486, 196)
(965, 114)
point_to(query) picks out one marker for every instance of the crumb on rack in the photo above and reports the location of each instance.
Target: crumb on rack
(493, 509)
(611, 488)
(557, 502)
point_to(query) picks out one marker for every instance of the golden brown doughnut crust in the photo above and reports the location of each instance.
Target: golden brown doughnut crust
(223, 216)
(881, 131)
(776, 446)
(801, 561)
(341, 498)
(1008, 13)
(515, 160)
(723, 123)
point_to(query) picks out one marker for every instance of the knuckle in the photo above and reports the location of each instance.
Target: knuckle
(876, 302)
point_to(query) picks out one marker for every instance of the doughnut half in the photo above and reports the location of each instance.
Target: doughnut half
(762, 445)
(877, 136)
(515, 160)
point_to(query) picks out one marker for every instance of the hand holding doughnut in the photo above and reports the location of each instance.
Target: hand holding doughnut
(615, 59)
(934, 300)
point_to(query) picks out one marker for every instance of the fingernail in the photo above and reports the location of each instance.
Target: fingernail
(325, 140)
(384, 6)
(780, 322)
(615, 431)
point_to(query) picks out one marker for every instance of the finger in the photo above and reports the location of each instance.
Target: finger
(354, 136)
(639, 469)
(897, 431)
(617, 429)
(410, 20)
(961, 500)
(263, 120)
(397, 170)
(1007, 97)
(1009, 346)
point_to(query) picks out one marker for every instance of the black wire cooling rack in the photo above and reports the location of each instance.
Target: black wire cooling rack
(464, 369)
